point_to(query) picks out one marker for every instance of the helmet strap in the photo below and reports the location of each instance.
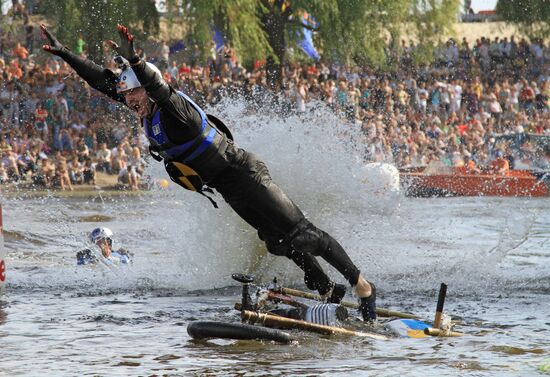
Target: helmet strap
(151, 107)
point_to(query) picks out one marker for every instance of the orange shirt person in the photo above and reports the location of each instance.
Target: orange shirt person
(15, 70)
(500, 165)
(20, 51)
(469, 167)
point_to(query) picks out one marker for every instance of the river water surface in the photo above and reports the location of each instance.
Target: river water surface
(62, 320)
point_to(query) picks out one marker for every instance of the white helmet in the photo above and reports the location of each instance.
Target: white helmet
(128, 79)
(101, 233)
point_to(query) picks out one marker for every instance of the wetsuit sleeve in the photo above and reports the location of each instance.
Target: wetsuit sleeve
(166, 98)
(157, 89)
(96, 76)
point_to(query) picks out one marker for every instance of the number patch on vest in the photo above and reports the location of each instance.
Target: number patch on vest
(156, 129)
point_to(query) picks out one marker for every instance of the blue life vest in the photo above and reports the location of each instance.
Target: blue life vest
(177, 156)
(186, 152)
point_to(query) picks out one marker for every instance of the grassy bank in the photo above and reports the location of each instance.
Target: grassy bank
(106, 186)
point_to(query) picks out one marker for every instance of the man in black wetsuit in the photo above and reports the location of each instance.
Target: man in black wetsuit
(197, 150)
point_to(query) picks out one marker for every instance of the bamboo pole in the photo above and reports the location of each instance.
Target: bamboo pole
(239, 307)
(379, 311)
(438, 332)
(440, 303)
(278, 297)
(270, 320)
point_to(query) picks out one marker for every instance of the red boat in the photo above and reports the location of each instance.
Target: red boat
(455, 182)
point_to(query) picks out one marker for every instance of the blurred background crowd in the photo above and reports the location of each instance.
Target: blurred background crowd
(58, 132)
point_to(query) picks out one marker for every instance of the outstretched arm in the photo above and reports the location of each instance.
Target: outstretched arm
(98, 77)
(157, 89)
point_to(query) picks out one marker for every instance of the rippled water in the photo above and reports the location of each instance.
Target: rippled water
(70, 320)
(60, 319)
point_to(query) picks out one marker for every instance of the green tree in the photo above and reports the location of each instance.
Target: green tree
(96, 20)
(531, 16)
(346, 31)
(433, 20)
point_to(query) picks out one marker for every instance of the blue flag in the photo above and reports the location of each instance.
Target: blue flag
(178, 46)
(218, 39)
(306, 44)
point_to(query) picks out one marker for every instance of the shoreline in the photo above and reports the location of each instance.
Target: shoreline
(106, 186)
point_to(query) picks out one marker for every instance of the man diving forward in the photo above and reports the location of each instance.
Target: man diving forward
(199, 154)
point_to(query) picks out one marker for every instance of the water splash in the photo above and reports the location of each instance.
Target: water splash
(182, 243)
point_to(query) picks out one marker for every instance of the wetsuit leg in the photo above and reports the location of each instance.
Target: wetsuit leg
(307, 238)
(248, 188)
(315, 277)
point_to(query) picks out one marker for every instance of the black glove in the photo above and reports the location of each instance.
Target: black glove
(126, 48)
(125, 252)
(85, 257)
(54, 47)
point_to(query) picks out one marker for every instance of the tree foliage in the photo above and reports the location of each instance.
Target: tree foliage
(531, 16)
(432, 21)
(95, 20)
(345, 31)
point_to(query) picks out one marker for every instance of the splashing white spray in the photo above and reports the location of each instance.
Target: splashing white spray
(182, 242)
(315, 159)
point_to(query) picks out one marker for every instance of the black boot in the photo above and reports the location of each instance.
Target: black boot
(367, 305)
(337, 294)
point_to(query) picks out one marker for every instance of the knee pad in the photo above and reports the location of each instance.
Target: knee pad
(307, 238)
(280, 247)
(321, 284)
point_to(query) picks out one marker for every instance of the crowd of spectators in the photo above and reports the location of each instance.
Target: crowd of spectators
(54, 130)
(447, 113)
(58, 132)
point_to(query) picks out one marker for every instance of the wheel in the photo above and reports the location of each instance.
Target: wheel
(214, 329)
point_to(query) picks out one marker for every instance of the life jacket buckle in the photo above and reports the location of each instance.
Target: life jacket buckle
(154, 153)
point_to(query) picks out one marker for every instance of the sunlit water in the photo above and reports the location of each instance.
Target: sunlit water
(60, 319)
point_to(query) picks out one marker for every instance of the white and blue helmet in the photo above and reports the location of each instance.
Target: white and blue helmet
(128, 79)
(101, 233)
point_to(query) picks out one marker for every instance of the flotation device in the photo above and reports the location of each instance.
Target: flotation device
(177, 156)
(214, 329)
(162, 148)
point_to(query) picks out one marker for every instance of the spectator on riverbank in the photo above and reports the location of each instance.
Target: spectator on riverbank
(76, 173)
(45, 173)
(88, 172)
(103, 157)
